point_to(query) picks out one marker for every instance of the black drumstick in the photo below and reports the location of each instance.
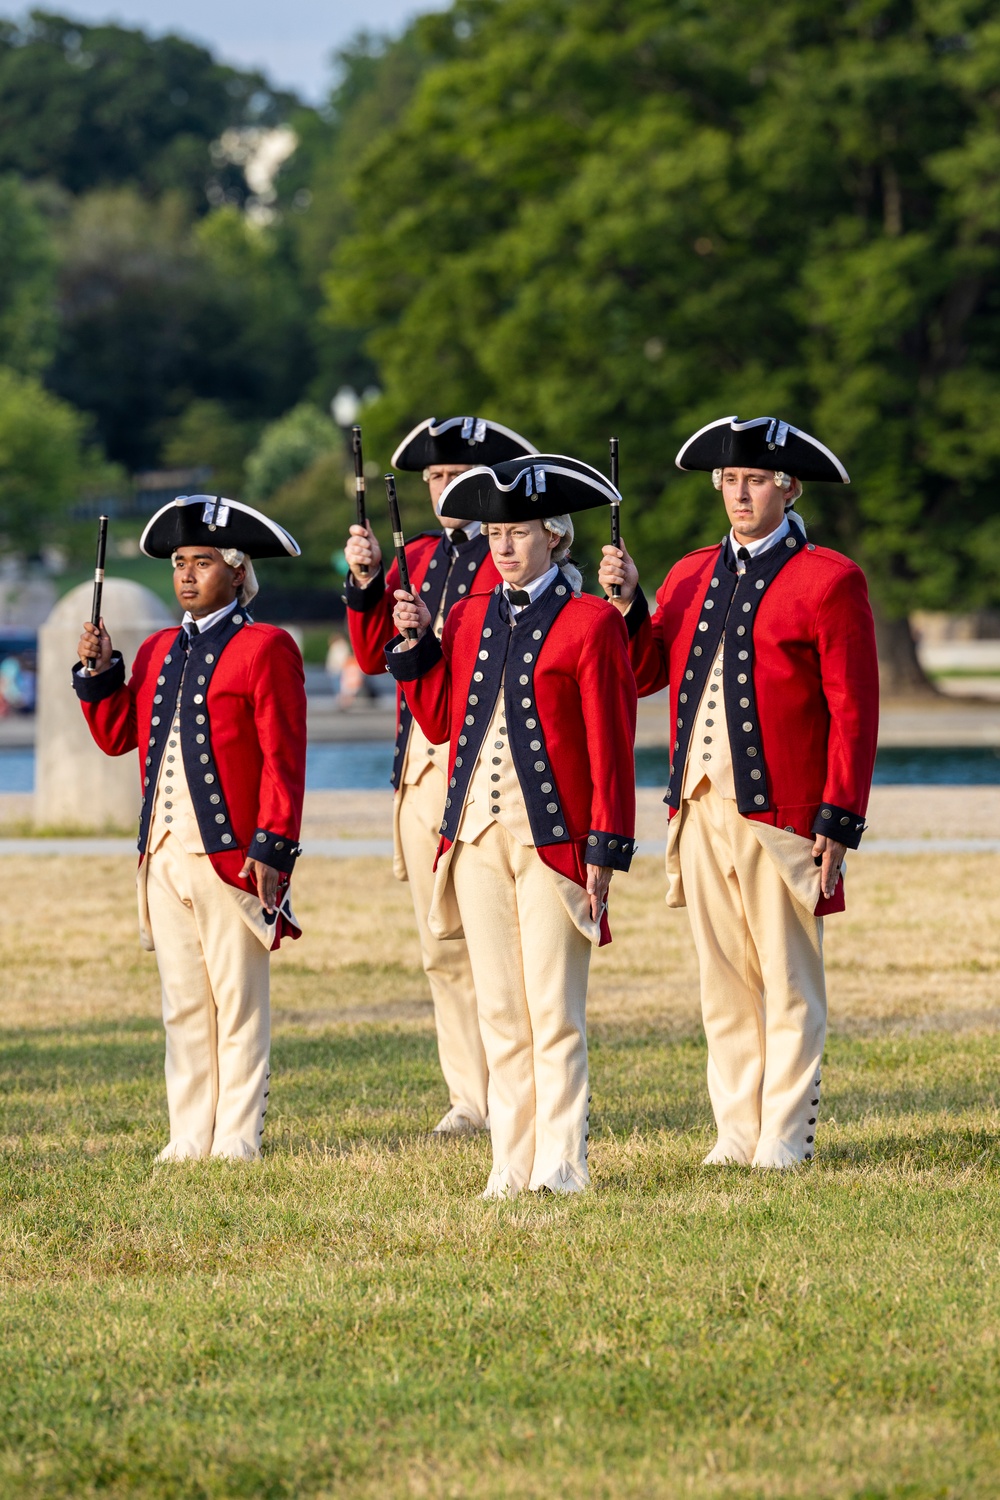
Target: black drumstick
(397, 541)
(616, 534)
(359, 483)
(95, 613)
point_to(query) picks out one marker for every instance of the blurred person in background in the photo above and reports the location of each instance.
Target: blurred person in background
(446, 564)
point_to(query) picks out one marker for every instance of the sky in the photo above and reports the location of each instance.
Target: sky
(291, 41)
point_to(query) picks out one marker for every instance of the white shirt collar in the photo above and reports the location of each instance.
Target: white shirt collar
(207, 621)
(533, 589)
(471, 529)
(762, 544)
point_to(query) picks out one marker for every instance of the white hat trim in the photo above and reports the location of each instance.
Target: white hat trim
(435, 428)
(289, 543)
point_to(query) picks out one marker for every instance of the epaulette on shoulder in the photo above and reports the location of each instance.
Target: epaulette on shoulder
(828, 555)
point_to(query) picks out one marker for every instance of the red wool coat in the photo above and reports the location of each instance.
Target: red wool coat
(247, 770)
(580, 707)
(369, 610)
(810, 666)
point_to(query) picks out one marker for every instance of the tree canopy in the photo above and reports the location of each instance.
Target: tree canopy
(103, 106)
(634, 216)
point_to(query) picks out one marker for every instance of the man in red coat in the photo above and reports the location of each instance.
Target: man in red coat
(768, 646)
(217, 711)
(531, 687)
(446, 565)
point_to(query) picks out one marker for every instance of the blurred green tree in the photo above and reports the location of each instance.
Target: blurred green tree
(104, 106)
(42, 461)
(207, 434)
(157, 311)
(286, 449)
(633, 216)
(27, 283)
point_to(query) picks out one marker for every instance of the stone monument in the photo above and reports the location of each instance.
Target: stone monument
(77, 785)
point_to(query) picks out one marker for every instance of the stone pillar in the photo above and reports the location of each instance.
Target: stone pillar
(76, 784)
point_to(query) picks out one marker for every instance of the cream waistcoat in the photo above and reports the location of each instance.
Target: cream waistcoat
(708, 751)
(494, 794)
(173, 810)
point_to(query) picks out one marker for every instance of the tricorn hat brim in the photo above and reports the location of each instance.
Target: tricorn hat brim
(459, 440)
(545, 484)
(214, 521)
(761, 443)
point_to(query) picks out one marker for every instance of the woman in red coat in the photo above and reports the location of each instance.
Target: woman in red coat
(768, 647)
(532, 688)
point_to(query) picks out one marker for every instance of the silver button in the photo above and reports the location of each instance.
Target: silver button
(741, 630)
(470, 718)
(487, 632)
(494, 777)
(535, 745)
(205, 759)
(558, 830)
(709, 604)
(789, 827)
(560, 590)
(474, 699)
(215, 798)
(756, 775)
(696, 651)
(472, 567)
(170, 757)
(742, 677)
(483, 655)
(172, 744)
(158, 698)
(702, 624)
(201, 681)
(463, 739)
(227, 838)
(168, 804)
(463, 588)
(477, 676)
(546, 787)
(433, 562)
(714, 584)
(612, 843)
(552, 807)
(525, 702)
(199, 739)
(155, 719)
(524, 680)
(593, 841)
(210, 779)
(528, 656)
(161, 680)
(530, 724)
(536, 635)
(747, 608)
(789, 541)
(209, 657)
(237, 619)
(759, 584)
(689, 674)
(760, 799)
(707, 755)
(199, 698)
(826, 813)
(425, 588)
(167, 658)
(199, 718)
(220, 817)
(747, 727)
(751, 750)
(743, 655)
(539, 765)
(683, 698)
(744, 703)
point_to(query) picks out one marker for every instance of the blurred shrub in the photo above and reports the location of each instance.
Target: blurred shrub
(287, 449)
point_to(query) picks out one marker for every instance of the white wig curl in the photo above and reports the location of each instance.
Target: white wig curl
(562, 527)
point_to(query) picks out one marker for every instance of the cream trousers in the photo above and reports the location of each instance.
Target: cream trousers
(763, 992)
(419, 810)
(215, 980)
(530, 963)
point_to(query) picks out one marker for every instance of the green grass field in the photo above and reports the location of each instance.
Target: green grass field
(351, 1320)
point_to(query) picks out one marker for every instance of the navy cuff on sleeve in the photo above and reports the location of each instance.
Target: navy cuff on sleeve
(840, 824)
(612, 850)
(104, 685)
(274, 849)
(361, 600)
(407, 666)
(637, 615)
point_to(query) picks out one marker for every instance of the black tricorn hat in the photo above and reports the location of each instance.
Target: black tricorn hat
(525, 489)
(761, 443)
(214, 521)
(459, 440)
